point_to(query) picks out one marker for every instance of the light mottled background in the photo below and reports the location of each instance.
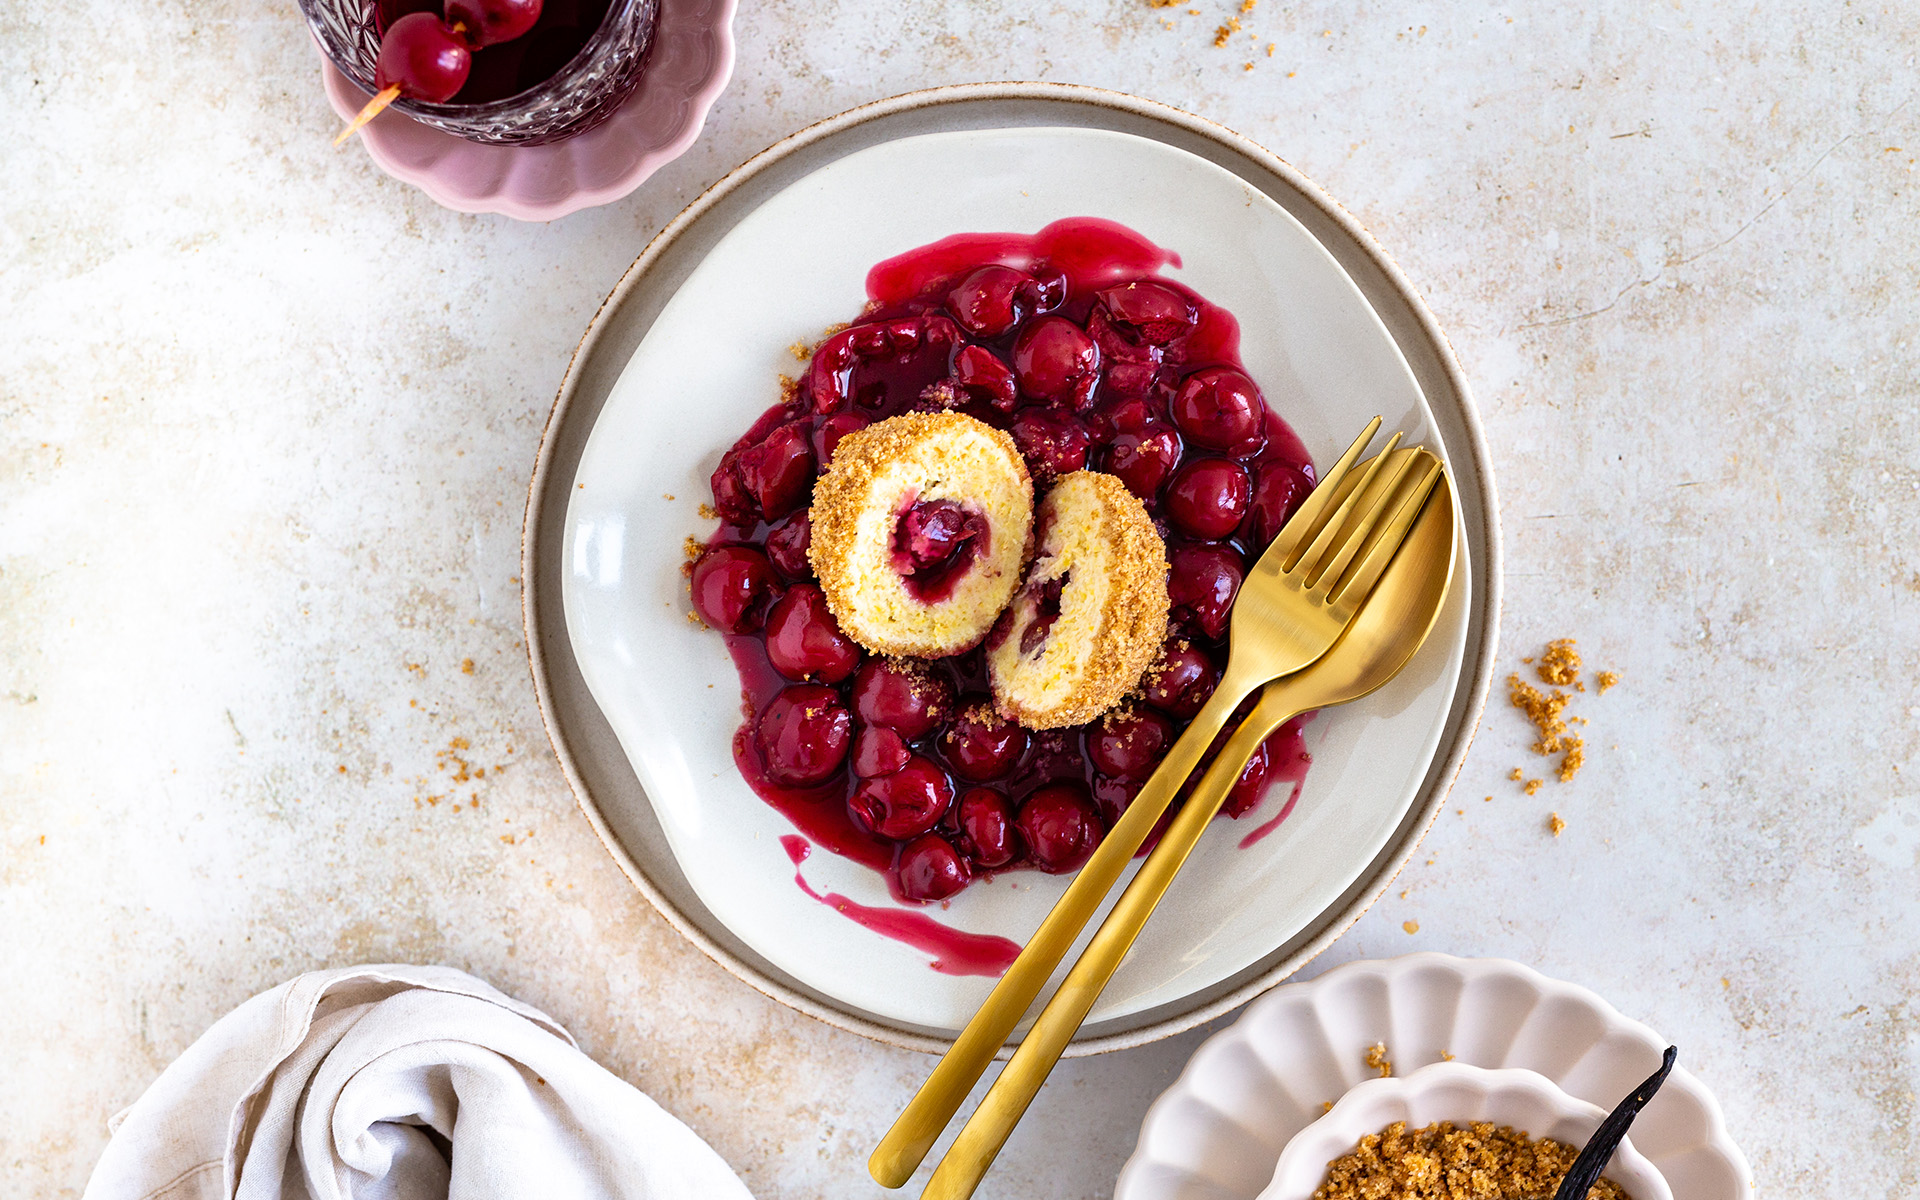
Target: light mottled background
(266, 418)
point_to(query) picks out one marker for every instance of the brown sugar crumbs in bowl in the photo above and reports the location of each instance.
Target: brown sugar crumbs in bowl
(987, 374)
(1444, 1162)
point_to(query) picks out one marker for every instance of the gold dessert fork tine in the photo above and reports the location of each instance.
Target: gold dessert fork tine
(1280, 623)
(1380, 641)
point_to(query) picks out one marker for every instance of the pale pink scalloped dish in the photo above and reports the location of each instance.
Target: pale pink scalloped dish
(690, 64)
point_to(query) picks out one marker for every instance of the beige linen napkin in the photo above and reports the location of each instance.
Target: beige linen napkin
(397, 1082)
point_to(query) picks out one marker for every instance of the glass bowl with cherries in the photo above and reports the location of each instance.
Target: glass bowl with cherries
(502, 72)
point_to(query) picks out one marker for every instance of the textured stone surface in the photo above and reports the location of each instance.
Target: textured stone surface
(266, 418)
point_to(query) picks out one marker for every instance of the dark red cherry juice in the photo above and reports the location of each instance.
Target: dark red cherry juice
(1071, 341)
(511, 67)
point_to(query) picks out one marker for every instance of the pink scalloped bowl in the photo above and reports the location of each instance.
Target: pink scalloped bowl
(692, 60)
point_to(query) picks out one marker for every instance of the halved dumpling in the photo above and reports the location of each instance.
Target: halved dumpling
(1092, 613)
(920, 527)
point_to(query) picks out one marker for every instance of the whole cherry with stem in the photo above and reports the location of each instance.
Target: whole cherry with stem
(424, 57)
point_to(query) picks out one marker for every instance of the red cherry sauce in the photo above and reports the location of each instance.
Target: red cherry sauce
(1133, 374)
(1287, 750)
(511, 67)
(956, 952)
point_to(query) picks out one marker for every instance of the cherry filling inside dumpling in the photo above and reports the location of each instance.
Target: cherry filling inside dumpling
(1092, 612)
(919, 530)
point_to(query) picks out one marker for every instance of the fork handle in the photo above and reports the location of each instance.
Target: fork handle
(986, 1131)
(926, 1115)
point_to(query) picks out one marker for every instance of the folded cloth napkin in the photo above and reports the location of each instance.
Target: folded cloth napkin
(397, 1083)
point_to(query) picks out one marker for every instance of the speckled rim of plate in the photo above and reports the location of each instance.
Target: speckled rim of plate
(591, 756)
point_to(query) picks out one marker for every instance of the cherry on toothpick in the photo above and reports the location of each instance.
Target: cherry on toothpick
(422, 58)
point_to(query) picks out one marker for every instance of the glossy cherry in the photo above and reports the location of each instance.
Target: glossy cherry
(803, 639)
(981, 376)
(931, 532)
(732, 587)
(1202, 581)
(1142, 461)
(879, 751)
(1053, 444)
(1111, 796)
(827, 435)
(1207, 497)
(1182, 679)
(1060, 827)
(1252, 784)
(987, 302)
(1219, 408)
(1129, 742)
(906, 803)
(987, 834)
(488, 22)
(803, 735)
(424, 58)
(903, 695)
(980, 744)
(1277, 492)
(778, 472)
(787, 545)
(1056, 362)
(1154, 312)
(931, 869)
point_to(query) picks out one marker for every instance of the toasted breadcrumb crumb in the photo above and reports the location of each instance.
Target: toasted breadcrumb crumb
(800, 350)
(1545, 710)
(1378, 1060)
(709, 513)
(692, 549)
(1410, 926)
(1516, 774)
(1443, 1162)
(1555, 823)
(1326, 1106)
(1560, 663)
(1575, 758)
(1606, 680)
(1223, 34)
(1532, 786)
(1446, 1056)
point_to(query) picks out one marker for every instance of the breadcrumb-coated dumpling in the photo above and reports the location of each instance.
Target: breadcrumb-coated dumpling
(920, 527)
(1092, 613)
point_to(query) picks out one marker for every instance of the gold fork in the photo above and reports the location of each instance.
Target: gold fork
(1291, 608)
(1371, 651)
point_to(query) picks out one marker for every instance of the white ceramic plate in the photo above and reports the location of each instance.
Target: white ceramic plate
(706, 368)
(1218, 1132)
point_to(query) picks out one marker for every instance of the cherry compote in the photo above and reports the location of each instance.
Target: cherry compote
(1070, 341)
